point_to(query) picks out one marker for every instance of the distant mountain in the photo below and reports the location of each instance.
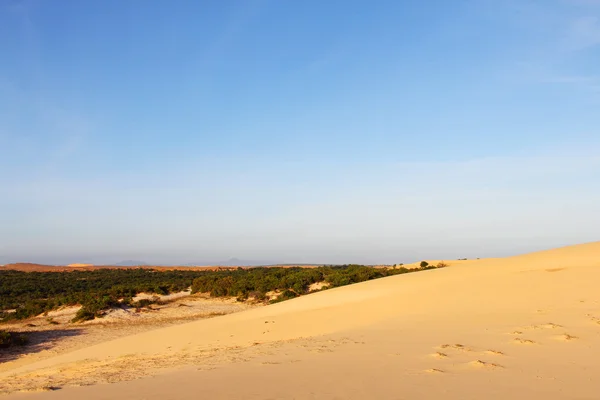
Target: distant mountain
(233, 262)
(130, 263)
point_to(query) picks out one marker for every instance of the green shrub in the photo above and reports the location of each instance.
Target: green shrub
(95, 307)
(8, 339)
(5, 339)
(286, 295)
(142, 303)
(84, 314)
(258, 295)
(424, 264)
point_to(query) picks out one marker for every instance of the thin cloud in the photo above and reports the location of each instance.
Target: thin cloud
(64, 129)
(589, 82)
(583, 33)
(61, 133)
(234, 28)
(571, 79)
(545, 73)
(584, 2)
(559, 37)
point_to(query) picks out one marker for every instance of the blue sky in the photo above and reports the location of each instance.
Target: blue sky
(297, 131)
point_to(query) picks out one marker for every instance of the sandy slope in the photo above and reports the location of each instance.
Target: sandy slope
(524, 327)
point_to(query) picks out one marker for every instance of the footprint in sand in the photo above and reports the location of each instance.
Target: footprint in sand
(567, 338)
(439, 355)
(593, 319)
(483, 364)
(494, 352)
(455, 346)
(549, 325)
(523, 341)
(321, 349)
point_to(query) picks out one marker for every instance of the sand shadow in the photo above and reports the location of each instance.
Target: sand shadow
(37, 341)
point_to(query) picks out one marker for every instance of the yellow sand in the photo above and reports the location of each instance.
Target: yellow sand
(525, 327)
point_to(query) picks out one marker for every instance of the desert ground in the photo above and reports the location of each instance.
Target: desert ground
(523, 327)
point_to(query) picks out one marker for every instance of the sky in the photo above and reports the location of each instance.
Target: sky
(297, 131)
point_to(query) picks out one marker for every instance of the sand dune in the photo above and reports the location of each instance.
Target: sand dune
(523, 327)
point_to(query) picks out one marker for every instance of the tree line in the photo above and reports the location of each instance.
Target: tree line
(27, 294)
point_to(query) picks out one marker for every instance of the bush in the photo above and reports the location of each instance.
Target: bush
(95, 307)
(424, 264)
(286, 295)
(84, 314)
(5, 339)
(143, 303)
(8, 339)
(258, 295)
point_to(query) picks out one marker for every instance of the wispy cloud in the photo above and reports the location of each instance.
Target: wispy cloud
(560, 36)
(583, 33)
(233, 28)
(590, 83)
(571, 79)
(546, 72)
(36, 122)
(70, 129)
(584, 2)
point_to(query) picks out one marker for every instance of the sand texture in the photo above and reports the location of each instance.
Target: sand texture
(524, 327)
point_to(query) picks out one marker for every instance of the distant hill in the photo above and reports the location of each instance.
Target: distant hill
(233, 262)
(131, 263)
(27, 267)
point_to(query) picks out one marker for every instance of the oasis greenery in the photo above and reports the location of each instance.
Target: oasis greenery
(27, 294)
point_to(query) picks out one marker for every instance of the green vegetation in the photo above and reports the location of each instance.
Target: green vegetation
(35, 293)
(286, 295)
(289, 282)
(27, 294)
(8, 339)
